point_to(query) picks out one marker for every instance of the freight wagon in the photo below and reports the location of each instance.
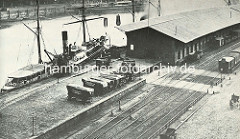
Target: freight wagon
(85, 94)
(100, 85)
(228, 64)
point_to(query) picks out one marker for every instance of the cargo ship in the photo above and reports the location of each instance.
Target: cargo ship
(72, 56)
(31, 73)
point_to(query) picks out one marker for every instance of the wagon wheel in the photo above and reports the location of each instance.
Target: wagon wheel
(125, 81)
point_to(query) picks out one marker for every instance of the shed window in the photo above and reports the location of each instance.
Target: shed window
(183, 52)
(191, 48)
(179, 53)
(196, 46)
(132, 47)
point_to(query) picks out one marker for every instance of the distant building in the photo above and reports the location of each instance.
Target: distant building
(172, 38)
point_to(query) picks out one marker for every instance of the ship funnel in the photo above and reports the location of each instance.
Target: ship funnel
(65, 42)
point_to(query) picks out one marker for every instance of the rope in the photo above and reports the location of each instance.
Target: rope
(31, 52)
(18, 55)
(78, 33)
(44, 45)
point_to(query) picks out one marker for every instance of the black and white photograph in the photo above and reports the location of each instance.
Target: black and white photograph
(120, 69)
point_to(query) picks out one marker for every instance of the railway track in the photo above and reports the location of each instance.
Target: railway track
(171, 113)
(145, 121)
(103, 130)
(171, 120)
(210, 60)
(126, 115)
(139, 104)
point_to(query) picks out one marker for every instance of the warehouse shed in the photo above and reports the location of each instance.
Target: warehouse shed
(172, 38)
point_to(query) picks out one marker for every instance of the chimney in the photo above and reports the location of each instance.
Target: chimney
(65, 42)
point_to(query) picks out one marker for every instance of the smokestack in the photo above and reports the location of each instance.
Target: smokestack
(65, 41)
(70, 50)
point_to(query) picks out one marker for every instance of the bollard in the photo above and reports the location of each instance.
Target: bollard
(235, 73)
(229, 78)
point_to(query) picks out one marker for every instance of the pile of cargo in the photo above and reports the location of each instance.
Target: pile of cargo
(102, 84)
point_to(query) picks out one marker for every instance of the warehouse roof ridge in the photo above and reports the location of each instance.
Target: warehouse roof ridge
(190, 25)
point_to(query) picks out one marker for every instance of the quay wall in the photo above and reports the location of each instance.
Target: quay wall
(50, 12)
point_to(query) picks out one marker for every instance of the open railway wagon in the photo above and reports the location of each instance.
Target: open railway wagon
(234, 101)
(99, 85)
(228, 64)
(103, 62)
(169, 134)
(128, 68)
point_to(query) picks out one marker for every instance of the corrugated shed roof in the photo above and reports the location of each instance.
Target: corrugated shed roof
(189, 26)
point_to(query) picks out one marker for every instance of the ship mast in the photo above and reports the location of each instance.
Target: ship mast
(38, 35)
(133, 11)
(83, 21)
